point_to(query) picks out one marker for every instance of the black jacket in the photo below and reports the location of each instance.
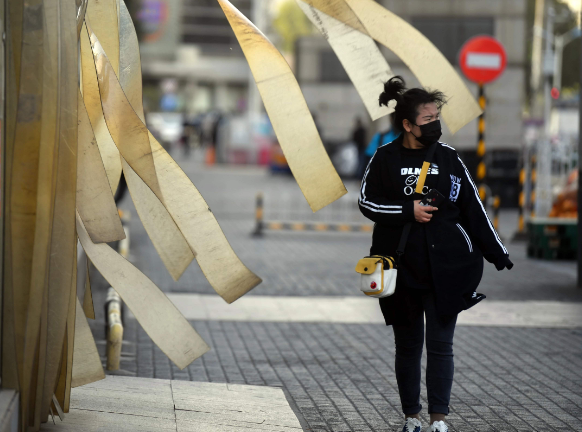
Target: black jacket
(458, 236)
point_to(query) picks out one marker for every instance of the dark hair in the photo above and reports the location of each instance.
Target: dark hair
(408, 101)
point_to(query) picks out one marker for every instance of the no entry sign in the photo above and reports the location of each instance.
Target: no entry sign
(482, 59)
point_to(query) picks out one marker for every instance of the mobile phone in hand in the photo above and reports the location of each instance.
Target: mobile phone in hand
(434, 198)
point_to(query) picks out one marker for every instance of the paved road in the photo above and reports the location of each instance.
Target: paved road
(341, 376)
(307, 263)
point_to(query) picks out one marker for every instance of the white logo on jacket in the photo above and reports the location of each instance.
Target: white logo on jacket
(412, 179)
(434, 169)
(455, 188)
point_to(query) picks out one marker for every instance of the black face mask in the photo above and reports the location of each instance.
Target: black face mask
(431, 132)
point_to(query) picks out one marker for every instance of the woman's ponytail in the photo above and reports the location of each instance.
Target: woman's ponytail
(393, 89)
(408, 101)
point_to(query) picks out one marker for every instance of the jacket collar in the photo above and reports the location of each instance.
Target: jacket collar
(394, 146)
(397, 144)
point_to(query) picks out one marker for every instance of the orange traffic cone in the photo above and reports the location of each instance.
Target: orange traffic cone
(210, 156)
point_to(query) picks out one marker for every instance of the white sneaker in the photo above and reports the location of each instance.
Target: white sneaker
(439, 426)
(412, 425)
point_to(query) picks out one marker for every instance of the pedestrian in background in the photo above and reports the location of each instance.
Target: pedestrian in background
(359, 137)
(385, 136)
(442, 264)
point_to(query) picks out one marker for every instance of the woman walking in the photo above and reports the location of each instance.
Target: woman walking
(442, 263)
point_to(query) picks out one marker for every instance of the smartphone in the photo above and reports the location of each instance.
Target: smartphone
(433, 198)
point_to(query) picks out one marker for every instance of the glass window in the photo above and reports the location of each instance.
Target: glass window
(204, 24)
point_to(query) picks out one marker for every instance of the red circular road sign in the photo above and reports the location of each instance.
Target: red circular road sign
(482, 59)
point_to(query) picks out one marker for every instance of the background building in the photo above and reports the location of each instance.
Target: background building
(192, 43)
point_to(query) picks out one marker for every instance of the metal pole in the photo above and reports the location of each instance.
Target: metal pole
(481, 166)
(536, 61)
(254, 102)
(558, 53)
(532, 181)
(543, 191)
(548, 69)
(580, 178)
(259, 216)
(521, 221)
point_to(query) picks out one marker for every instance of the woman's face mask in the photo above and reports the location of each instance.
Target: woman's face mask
(430, 133)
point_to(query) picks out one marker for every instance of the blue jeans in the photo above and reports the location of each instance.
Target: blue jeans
(409, 341)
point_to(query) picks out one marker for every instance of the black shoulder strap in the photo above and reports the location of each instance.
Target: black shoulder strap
(406, 229)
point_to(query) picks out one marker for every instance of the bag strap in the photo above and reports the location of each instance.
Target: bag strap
(386, 260)
(419, 187)
(425, 168)
(403, 240)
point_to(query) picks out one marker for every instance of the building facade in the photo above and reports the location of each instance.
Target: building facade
(191, 41)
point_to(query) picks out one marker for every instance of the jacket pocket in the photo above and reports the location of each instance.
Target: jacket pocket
(466, 237)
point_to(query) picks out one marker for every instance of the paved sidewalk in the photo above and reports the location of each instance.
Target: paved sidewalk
(361, 310)
(148, 405)
(340, 375)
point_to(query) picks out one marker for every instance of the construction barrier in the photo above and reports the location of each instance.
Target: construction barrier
(521, 204)
(259, 216)
(532, 182)
(496, 206)
(309, 226)
(481, 165)
(527, 194)
(262, 225)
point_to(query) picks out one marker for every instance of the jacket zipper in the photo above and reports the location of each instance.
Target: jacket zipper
(466, 237)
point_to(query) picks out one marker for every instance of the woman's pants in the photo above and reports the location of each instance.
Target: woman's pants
(439, 347)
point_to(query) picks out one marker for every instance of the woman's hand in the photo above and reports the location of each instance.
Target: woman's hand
(422, 213)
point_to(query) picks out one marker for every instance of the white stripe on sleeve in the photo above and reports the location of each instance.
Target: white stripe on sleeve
(483, 208)
(377, 208)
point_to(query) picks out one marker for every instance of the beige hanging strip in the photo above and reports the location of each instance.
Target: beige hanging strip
(46, 190)
(288, 112)
(88, 306)
(104, 14)
(87, 366)
(63, 254)
(355, 49)
(425, 61)
(13, 41)
(92, 98)
(166, 237)
(223, 269)
(128, 132)
(155, 312)
(71, 325)
(24, 182)
(94, 198)
(41, 363)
